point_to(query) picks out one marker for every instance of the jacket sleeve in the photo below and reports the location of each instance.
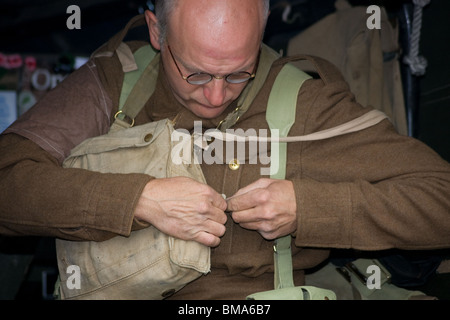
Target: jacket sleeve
(369, 190)
(38, 196)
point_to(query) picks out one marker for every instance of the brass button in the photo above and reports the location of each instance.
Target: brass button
(234, 164)
(148, 137)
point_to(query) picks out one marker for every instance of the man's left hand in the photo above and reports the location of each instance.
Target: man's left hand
(267, 206)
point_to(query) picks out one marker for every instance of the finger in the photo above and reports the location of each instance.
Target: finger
(245, 216)
(208, 211)
(216, 199)
(214, 228)
(219, 202)
(211, 234)
(208, 239)
(241, 202)
(247, 219)
(258, 184)
(218, 216)
(251, 199)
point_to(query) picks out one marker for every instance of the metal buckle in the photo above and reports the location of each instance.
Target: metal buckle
(124, 118)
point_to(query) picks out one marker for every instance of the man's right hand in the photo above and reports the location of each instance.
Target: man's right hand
(183, 208)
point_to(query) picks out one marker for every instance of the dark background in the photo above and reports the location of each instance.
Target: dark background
(27, 268)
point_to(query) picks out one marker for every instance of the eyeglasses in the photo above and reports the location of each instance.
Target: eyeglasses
(200, 78)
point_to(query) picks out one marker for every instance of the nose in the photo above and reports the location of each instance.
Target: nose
(214, 92)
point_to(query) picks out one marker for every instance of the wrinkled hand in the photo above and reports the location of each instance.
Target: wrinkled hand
(267, 206)
(184, 208)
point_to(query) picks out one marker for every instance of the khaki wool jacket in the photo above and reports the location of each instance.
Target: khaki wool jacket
(369, 190)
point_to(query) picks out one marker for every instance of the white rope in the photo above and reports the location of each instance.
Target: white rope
(367, 120)
(418, 64)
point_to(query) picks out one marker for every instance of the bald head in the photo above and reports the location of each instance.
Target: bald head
(201, 12)
(217, 26)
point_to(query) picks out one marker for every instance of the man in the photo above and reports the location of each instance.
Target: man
(369, 190)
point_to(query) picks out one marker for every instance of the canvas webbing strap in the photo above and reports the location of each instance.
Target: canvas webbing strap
(280, 115)
(138, 86)
(148, 60)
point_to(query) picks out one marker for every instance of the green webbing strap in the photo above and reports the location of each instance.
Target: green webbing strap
(282, 256)
(143, 56)
(138, 85)
(280, 115)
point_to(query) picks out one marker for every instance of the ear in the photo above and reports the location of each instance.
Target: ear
(152, 24)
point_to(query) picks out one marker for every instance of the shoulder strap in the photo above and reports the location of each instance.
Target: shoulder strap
(280, 115)
(138, 86)
(141, 58)
(281, 110)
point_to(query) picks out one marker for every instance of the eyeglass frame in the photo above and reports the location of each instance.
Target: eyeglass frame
(225, 77)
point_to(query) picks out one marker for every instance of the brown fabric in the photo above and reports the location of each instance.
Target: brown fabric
(40, 198)
(368, 190)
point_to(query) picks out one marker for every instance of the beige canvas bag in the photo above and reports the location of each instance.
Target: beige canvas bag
(148, 264)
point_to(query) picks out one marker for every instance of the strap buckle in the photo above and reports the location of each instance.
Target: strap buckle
(120, 115)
